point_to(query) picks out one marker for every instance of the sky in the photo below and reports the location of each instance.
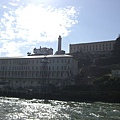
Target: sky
(29, 24)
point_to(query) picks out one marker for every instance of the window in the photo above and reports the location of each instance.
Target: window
(32, 74)
(57, 74)
(36, 67)
(52, 74)
(96, 47)
(68, 67)
(53, 67)
(9, 68)
(68, 60)
(110, 46)
(90, 47)
(36, 61)
(61, 74)
(65, 67)
(99, 46)
(106, 46)
(32, 68)
(65, 60)
(103, 46)
(84, 47)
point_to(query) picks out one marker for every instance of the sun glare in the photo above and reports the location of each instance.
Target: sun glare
(46, 20)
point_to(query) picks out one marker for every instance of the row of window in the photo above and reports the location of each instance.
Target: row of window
(32, 61)
(42, 68)
(93, 47)
(26, 83)
(35, 74)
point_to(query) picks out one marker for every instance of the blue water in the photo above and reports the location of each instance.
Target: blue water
(22, 109)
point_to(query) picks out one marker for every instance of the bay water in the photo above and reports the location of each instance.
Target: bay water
(36, 109)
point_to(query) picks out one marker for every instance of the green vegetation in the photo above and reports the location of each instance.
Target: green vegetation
(107, 61)
(77, 88)
(107, 83)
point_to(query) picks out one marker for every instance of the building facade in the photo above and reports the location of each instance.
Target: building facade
(103, 47)
(33, 71)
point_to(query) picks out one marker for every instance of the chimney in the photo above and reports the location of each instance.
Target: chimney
(59, 44)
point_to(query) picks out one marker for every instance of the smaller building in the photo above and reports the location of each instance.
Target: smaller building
(115, 73)
(43, 51)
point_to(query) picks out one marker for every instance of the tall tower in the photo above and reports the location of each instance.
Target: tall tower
(59, 44)
(60, 51)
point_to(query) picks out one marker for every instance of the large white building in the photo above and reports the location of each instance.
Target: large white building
(33, 71)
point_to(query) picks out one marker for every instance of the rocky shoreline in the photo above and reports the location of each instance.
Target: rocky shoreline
(82, 96)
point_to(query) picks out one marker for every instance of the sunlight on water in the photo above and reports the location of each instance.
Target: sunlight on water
(21, 109)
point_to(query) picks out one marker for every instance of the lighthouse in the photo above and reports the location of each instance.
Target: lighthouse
(59, 44)
(60, 51)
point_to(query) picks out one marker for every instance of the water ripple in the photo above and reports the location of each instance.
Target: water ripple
(21, 109)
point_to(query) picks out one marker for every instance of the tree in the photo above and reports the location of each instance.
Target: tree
(28, 53)
(116, 49)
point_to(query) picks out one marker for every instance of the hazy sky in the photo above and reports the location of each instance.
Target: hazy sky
(26, 24)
